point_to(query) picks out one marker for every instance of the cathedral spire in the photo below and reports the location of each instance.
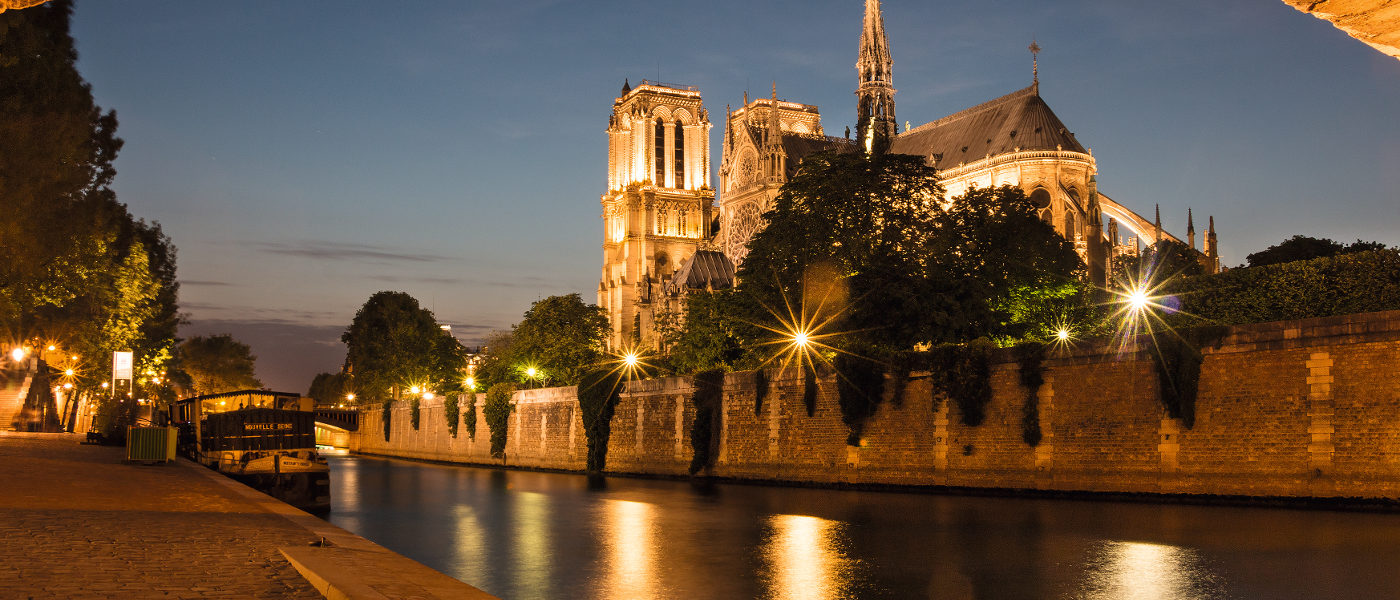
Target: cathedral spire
(774, 127)
(1035, 66)
(875, 120)
(1157, 225)
(1190, 229)
(1213, 247)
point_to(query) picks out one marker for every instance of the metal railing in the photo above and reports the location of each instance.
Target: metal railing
(674, 86)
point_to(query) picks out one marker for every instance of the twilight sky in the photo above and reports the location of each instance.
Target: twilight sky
(306, 154)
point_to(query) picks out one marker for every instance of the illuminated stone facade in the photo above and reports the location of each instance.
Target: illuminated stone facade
(659, 203)
(1013, 140)
(657, 212)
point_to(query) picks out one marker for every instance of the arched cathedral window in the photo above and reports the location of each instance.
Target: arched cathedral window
(1070, 228)
(680, 158)
(660, 149)
(680, 225)
(662, 216)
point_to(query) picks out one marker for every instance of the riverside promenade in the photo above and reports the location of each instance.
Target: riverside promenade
(78, 522)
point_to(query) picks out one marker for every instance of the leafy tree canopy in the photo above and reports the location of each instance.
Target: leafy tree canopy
(561, 336)
(329, 388)
(218, 363)
(394, 344)
(76, 268)
(871, 245)
(713, 334)
(1302, 247)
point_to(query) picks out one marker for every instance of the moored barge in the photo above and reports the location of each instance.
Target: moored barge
(264, 439)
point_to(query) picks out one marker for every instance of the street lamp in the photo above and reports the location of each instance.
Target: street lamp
(17, 354)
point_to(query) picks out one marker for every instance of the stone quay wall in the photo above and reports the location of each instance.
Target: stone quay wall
(1306, 408)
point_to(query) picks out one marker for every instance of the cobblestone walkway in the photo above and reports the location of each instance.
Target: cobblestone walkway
(75, 522)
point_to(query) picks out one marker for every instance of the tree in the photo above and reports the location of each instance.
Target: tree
(76, 269)
(1011, 265)
(850, 235)
(496, 362)
(1302, 247)
(328, 388)
(713, 334)
(560, 336)
(394, 344)
(218, 364)
(870, 244)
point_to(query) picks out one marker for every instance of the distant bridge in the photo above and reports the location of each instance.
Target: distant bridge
(333, 426)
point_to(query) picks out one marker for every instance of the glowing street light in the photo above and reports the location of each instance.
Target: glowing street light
(1062, 335)
(630, 359)
(1137, 299)
(470, 383)
(52, 347)
(350, 397)
(531, 372)
(427, 395)
(68, 386)
(801, 339)
(17, 354)
(106, 385)
(414, 390)
(68, 372)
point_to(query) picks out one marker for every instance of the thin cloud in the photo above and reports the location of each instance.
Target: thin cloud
(346, 251)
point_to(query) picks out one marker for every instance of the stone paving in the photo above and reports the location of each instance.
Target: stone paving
(76, 522)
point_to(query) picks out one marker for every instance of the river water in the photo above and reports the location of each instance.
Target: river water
(521, 535)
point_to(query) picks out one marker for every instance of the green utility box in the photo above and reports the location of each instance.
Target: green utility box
(150, 444)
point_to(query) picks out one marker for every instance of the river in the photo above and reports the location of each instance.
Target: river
(523, 535)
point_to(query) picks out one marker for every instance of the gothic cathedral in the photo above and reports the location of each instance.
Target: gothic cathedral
(659, 203)
(657, 213)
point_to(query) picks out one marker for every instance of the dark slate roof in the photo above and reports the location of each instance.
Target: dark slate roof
(706, 269)
(798, 146)
(1020, 119)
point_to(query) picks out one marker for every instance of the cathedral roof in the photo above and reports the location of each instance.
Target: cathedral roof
(1020, 119)
(706, 269)
(798, 146)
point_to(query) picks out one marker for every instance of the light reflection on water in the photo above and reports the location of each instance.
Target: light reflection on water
(1139, 571)
(803, 559)
(524, 535)
(533, 556)
(628, 528)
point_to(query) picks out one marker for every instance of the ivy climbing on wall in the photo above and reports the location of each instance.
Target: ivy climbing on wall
(1030, 358)
(497, 412)
(706, 397)
(598, 393)
(1176, 356)
(860, 386)
(386, 411)
(451, 412)
(962, 373)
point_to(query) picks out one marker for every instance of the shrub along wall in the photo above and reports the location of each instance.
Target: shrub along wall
(1293, 408)
(1339, 285)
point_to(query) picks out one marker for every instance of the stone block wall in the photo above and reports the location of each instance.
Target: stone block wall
(1295, 408)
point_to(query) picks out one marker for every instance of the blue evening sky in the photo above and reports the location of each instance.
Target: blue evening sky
(306, 154)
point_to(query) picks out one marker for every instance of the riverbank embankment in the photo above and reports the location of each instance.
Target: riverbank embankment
(1296, 410)
(80, 523)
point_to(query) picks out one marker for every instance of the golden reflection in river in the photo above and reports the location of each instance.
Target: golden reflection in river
(803, 558)
(1140, 571)
(532, 547)
(469, 558)
(349, 484)
(630, 529)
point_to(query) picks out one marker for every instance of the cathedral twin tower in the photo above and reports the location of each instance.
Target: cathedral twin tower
(663, 238)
